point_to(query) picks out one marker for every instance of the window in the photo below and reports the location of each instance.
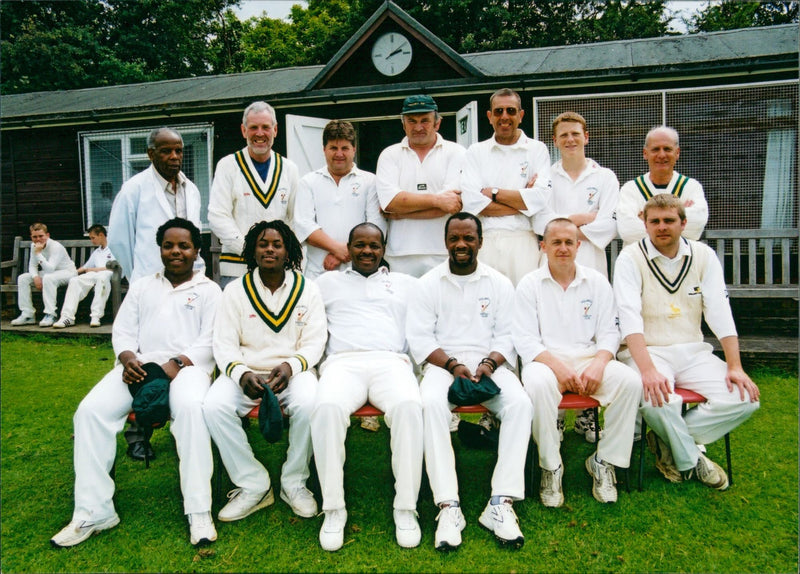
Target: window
(739, 142)
(110, 158)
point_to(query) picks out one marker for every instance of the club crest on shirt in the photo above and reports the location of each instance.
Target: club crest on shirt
(300, 315)
(587, 307)
(284, 193)
(354, 189)
(523, 169)
(696, 290)
(484, 303)
(591, 191)
(387, 286)
(674, 311)
(190, 299)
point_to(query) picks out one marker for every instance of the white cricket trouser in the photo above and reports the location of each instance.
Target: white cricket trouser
(693, 366)
(511, 406)
(223, 408)
(414, 265)
(387, 381)
(50, 284)
(512, 253)
(620, 392)
(101, 415)
(79, 286)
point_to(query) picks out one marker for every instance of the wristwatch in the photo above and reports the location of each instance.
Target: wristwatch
(494, 194)
(178, 362)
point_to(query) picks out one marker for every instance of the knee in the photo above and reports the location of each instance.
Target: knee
(406, 410)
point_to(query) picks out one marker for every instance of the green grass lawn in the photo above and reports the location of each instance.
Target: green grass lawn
(752, 527)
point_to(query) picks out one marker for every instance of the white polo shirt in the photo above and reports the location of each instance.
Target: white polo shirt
(631, 202)
(366, 313)
(470, 313)
(595, 191)
(158, 321)
(576, 322)
(99, 257)
(490, 164)
(628, 289)
(321, 203)
(399, 169)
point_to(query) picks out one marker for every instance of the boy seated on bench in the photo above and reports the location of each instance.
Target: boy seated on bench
(92, 275)
(49, 267)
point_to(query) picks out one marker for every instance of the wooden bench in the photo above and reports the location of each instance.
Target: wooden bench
(79, 251)
(756, 262)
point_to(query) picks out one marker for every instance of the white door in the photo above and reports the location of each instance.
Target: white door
(304, 142)
(467, 124)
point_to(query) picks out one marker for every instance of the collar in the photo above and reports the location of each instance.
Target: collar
(521, 143)
(652, 252)
(163, 182)
(481, 271)
(439, 142)
(381, 271)
(669, 185)
(580, 275)
(590, 167)
(198, 276)
(323, 171)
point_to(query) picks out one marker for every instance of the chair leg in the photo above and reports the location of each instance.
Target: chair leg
(641, 454)
(728, 457)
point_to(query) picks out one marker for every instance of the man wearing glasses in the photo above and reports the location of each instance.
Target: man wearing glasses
(506, 180)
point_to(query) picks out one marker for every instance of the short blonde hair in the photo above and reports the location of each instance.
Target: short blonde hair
(569, 117)
(665, 201)
(38, 227)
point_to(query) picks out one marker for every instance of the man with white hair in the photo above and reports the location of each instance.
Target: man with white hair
(661, 151)
(254, 184)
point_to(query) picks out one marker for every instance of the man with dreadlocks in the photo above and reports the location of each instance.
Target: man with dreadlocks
(270, 331)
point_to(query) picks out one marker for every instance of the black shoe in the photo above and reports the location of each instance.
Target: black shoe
(141, 450)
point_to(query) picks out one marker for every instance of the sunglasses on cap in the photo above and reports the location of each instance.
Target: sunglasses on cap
(497, 112)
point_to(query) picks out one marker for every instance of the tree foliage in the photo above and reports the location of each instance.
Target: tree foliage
(732, 14)
(51, 45)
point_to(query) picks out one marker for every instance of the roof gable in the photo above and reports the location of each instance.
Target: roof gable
(432, 58)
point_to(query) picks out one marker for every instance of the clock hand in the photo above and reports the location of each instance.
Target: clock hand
(397, 51)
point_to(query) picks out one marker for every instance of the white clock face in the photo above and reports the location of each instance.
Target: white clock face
(391, 54)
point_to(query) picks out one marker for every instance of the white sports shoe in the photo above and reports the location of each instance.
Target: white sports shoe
(550, 491)
(331, 535)
(94, 322)
(23, 320)
(300, 500)
(242, 503)
(586, 425)
(448, 532)
(503, 522)
(455, 418)
(372, 424)
(603, 480)
(79, 530)
(710, 473)
(201, 529)
(47, 320)
(407, 529)
(62, 323)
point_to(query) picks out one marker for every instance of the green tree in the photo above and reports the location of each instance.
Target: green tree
(732, 14)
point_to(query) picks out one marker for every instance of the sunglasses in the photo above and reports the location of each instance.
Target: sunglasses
(497, 112)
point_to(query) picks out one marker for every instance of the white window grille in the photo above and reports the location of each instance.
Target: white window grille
(111, 157)
(739, 142)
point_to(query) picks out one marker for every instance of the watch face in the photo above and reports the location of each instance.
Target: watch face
(391, 54)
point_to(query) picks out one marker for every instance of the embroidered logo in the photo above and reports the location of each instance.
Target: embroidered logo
(284, 195)
(675, 311)
(300, 315)
(587, 307)
(484, 302)
(696, 290)
(190, 299)
(355, 188)
(523, 169)
(592, 191)
(422, 187)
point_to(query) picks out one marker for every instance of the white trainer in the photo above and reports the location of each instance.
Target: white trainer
(407, 529)
(587, 426)
(63, 323)
(550, 491)
(603, 480)
(242, 503)
(331, 535)
(79, 530)
(503, 522)
(47, 320)
(201, 529)
(448, 532)
(300, 500)
(710, 473)
(23, 320)
(94, 322)
(455, 418)
(372, 424)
